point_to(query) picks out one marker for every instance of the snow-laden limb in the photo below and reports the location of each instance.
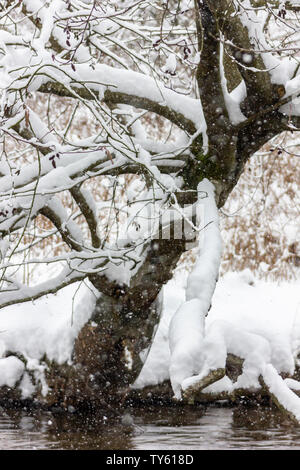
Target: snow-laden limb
(283, 396)
(202, 280)
(255, 39)
(70, 231)
(102, 82)
(293, 384)
(53, 152)
(35, 183)
(186, 335)
(281, 69)
(72, 164)
(124, 87)
(222, 339)
(232, 101)
(19, 293)
(186, 332)
(109, 30)
(79, 265)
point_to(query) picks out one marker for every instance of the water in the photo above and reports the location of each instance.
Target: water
(151, 428)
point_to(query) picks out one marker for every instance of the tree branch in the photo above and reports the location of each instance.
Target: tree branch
(117, 97)
(208, 72)
(260, 91)
(88, 212)
(25, 294)
(68, 229)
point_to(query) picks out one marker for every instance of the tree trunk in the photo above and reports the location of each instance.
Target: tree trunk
(111, 348)
(108, 355)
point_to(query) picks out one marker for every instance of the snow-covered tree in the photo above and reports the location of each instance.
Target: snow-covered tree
(124, 126)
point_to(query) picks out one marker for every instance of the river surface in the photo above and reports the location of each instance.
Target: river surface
(151, 428)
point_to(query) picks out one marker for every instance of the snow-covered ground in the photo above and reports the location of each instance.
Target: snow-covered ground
(268, 311)
(48, 326)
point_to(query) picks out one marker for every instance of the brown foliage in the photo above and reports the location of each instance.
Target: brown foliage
(261, 220)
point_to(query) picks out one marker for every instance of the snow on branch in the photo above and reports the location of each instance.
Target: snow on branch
(70, 231)
(266, 55)
(78, 267)
(223, 339)
(199, 354)
(117, 86)
(18, 294)
(202, 280)
(186, 333)
(283, 396)
(49, 71)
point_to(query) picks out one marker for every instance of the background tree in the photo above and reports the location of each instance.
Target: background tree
(217, 79)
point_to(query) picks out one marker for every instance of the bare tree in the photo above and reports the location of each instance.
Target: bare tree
(218, 79)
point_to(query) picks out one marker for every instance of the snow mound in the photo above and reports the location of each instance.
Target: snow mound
(48, 326)
(251, 318)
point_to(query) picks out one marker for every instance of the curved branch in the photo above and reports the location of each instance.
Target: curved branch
(25, 294)
(162, 105)
(87, 210)
(68, 229)
(260, 91)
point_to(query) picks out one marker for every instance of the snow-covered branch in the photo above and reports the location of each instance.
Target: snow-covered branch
(186, 333)
(78, 266)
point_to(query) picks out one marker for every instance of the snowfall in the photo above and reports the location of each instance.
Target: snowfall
(256, 320)
(265, 312)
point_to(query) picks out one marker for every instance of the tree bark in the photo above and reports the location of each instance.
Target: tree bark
(111, 348)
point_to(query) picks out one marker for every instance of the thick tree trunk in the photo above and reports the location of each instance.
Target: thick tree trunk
(111, 348)
(108, 355)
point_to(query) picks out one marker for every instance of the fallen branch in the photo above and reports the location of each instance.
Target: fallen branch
(285, 399)
(191, 393)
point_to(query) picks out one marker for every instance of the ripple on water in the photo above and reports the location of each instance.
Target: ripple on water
(159, 428)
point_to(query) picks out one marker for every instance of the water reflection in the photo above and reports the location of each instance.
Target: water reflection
(188, 428)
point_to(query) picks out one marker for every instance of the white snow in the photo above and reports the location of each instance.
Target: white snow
(48, 326)
(186, 331)
(266, 313)
(11, 370)
(186, 343)
(251, 315)
(202, 280)
(279, 388)
(234, 99)
(170, 65)
(292, 384)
